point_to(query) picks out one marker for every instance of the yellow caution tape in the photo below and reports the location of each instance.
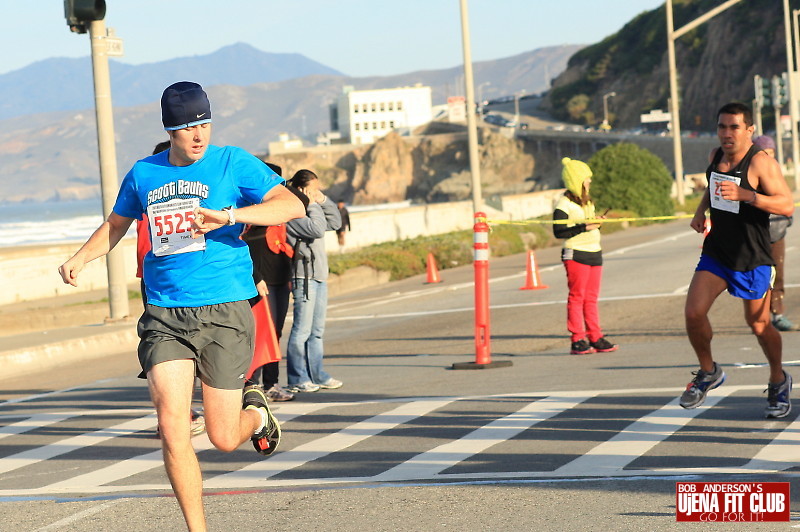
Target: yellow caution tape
(596, 220)
(591, 220)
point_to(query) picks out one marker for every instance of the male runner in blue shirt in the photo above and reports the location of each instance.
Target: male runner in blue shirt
(198, 278)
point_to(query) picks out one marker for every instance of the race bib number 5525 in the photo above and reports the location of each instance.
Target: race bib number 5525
(170, 225)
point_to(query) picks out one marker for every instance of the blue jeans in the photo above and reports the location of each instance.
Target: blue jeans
(304, 351)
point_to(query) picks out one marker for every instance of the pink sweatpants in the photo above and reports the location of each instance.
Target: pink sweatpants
(583, 318)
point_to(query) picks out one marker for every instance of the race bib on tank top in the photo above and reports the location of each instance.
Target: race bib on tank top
(170, 227)
(717, 201)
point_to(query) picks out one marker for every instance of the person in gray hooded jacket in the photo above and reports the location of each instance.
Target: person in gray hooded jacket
(304, 369)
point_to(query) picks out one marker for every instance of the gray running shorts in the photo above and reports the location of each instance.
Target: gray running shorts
(219, 338)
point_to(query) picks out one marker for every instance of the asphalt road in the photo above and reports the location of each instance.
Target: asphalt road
(553, 442)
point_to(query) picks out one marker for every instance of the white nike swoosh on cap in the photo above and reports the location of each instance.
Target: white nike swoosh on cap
(200, 116)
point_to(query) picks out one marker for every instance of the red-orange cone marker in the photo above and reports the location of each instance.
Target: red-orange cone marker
(433, 270)
(532, 279)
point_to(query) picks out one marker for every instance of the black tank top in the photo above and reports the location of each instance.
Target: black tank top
(740, 240)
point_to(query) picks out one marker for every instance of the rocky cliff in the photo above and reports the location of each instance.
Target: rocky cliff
(716, 63)
(425, 168)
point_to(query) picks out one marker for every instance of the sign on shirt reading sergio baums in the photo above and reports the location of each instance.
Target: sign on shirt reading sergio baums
(732, 501)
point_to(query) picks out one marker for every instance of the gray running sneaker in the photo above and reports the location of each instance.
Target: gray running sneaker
(703, 382)
(782, 323)
(778, 402)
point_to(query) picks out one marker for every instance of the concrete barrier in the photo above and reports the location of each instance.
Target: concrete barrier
(375, 227)
(28, 273)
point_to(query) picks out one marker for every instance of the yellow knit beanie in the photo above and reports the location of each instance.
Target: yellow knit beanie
(574, 174)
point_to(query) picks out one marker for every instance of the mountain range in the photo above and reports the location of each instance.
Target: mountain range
(47, 126)
(61, 84)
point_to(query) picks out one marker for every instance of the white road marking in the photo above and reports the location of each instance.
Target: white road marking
(430, 463)
(38, 454)
(472, 309)
(139, 464)
(611, 457)
(34, 422)
(326, 445)
(746, 365)
(47, 394)
(781, 453)
(604, 461)
(400, 296)
(80, 516)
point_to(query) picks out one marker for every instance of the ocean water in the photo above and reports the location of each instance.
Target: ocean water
(49, 222)
(75, 221)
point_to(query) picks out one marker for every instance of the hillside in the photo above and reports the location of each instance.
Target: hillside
(716, 63)
(62, 84)
(53, 155)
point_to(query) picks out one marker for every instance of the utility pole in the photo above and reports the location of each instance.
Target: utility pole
(672, 35)
(472, 130)
(794, 93)
(674, 107)
(89, 14)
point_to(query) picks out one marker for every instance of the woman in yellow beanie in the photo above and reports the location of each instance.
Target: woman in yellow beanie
(582, 258)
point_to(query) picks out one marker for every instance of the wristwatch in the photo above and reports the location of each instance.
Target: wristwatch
(231, 215)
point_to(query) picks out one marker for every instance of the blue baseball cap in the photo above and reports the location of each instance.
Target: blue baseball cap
(184, 104)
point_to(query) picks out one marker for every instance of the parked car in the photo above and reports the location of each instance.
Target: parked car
(498, 120)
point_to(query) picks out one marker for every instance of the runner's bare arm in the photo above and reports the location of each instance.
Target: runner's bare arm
(277, 206)
(774, 195)
(100, 243)
(698, 222)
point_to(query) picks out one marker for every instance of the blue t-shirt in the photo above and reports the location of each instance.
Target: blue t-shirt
(215, 268)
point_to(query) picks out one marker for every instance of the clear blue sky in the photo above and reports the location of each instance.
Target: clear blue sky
(356, 37)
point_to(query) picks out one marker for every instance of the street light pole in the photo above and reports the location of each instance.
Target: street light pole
(106, 148)
(791, 74)
(516, 107)
(674, 106)
(480, 97)
(606, 96)
(472, 129)
(672, 35)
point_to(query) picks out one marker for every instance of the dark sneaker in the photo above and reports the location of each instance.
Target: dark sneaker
(267, 439)
(604, 346)
(581, 347)
(782, 323)
(779, 405)
(703, 382)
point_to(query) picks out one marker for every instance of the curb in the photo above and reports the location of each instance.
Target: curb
(77, 344)
(29, 360)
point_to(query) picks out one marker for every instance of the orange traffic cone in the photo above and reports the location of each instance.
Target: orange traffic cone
(433, 270)
(532, 279)
(266, 339)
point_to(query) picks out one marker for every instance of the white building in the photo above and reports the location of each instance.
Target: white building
(365, 116)
(283, 144)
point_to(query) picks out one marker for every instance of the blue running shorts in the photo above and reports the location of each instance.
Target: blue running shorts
(752, 284)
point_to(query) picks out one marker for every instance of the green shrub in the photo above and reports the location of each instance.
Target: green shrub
(629, 178)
